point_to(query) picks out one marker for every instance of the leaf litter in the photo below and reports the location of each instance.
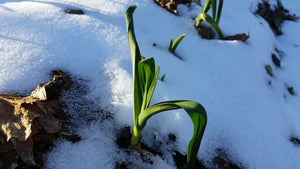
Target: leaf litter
(29, 124)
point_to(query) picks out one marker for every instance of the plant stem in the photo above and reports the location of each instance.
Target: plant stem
(174, 45)
(135, 138)
(199, 21)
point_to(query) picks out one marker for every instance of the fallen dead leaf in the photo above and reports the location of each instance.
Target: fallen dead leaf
(23, 117)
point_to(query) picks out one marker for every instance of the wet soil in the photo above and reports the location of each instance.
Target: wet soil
(147, 153)
(275, 60)
(290, 90)
(74, 11)
(269, 70)
(180, 161)
(224, 162)
(207, 33)
(241, 36)
(275, 17)
(295, 141)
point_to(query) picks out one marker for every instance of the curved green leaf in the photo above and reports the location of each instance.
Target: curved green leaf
(152, 87)
(148, 77)
(171, 43)
(136, 57)
(175, 44)
(219, 11)
(144, 82)
(212, 23)
(197, 114)
(206, 6)
(214, 9)
(215, 19)
(198, 21)
(146, 69)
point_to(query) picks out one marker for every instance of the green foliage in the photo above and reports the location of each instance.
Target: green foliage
(216, 15)
(144, 81)
(174, 45)
(163, 77)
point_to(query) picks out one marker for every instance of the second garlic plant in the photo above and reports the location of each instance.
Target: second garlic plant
(145, 76)
(216, 15)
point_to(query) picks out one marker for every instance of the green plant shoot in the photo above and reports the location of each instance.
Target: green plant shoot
(163, 77)
(144, 81)
(174, 45)
(216, 15)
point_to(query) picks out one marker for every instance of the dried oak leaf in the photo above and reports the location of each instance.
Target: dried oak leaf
(171, 5)
(22, 117)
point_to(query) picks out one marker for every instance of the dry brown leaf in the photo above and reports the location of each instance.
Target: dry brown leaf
(22, 117)
(171, 5)
(24, 149)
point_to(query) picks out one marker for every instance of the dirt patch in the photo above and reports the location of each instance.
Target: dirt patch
(74, 11)
(171, 5)
(207, 33)
(269, 70)
(224, 162)
(29, 125)
(241, 36)
(275, 60)
(290, 89)
(275, 17)
(121, 165)
(149, 152)
(180, 161)
(123, 137)
(156, 147)
(295, 141)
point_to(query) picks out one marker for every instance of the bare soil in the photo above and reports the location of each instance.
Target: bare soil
(275, 17)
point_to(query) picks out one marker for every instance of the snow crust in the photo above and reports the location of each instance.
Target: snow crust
(248, 118)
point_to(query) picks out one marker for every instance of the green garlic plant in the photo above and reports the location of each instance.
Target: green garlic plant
(144, 81)
(163, 77)
(216, 15)
(174, 45)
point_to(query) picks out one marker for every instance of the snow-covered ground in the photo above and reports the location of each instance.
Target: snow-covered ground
(251, 115)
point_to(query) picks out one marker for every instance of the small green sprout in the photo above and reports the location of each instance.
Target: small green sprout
(174, 45)
(216, 15)
(163, 77)
(144, 81)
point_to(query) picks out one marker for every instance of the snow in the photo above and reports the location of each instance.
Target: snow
(248, 118)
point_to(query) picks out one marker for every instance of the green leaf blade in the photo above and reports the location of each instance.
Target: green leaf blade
(219, 11)
(152, 87)
(136, 57)
(212, 23)
(147, 72)
(176, 43)
(197, 114)
(206, 6)
(171, 44)
(214, 9)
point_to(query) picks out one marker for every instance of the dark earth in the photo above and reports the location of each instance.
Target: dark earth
(275, 17)
(123, 136)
